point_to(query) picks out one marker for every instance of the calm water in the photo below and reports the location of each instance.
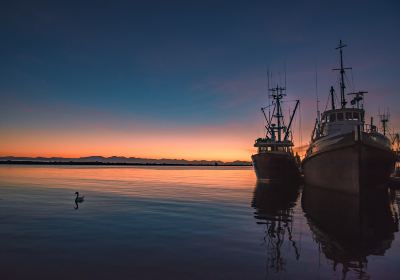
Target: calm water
(187, 223)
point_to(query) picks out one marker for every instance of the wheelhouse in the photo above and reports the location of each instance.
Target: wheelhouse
(265, 145)
(341, 121)
(340, 115)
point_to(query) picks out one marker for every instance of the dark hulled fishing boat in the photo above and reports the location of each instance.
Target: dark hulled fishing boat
(346, 153)
(275, 159)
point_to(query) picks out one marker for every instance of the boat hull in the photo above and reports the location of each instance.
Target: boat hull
(275, 166)
(349, 166)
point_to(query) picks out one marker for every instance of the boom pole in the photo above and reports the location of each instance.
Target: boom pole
(291, 119)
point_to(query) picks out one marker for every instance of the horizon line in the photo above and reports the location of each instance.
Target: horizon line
(116, 157)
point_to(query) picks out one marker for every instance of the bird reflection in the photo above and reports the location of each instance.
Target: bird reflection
(274, 208)
(350, 228)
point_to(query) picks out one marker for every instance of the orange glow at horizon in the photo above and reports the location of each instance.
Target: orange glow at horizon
(190, 145)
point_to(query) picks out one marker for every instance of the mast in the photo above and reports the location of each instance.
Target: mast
(342, 72)
(278, 115)
(332, 91)
(277, 95)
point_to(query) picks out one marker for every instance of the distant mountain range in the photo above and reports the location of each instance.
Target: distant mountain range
(119, 160)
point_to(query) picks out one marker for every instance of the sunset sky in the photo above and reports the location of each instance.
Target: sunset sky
(181, 79)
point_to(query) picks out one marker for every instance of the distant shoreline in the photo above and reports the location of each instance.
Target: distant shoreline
(31, 162)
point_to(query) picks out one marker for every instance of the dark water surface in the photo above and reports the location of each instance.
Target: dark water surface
(188, 223)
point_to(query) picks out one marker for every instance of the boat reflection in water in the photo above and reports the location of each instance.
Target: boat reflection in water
(349, 228)
(274, 204)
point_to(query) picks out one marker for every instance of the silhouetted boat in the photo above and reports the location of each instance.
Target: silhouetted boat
(345, 153)
(274, 159)
(349, 228)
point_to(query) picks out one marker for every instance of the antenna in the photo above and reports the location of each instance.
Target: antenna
(269, 74)
(285, 73)
(342, 72)
(384, 120)
(279, 78)
(316, 93)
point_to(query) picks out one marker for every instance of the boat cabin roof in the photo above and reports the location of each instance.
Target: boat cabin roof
(266, 142)
(352, 114)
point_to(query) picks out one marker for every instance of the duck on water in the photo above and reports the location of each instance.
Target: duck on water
(347, 154)
(78, 198)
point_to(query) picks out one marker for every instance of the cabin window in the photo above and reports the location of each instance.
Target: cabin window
(269, 149)
(356, 116)
(340, 116)
(349, 116)
(332, 117)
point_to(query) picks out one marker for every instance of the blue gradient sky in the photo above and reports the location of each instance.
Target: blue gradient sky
(179, 79)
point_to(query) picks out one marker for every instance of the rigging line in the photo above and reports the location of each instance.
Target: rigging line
(316, 91)
(269, 85)
(266, 107)
(338, 81)
(348, 82)
(327, 102)
(352, 80)
(289, 117)
(298, 122)
(301, 130)
(270, 119)
(279, 78)
(285, 72)
(287, 101)
(351, 76)
(336, 98)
